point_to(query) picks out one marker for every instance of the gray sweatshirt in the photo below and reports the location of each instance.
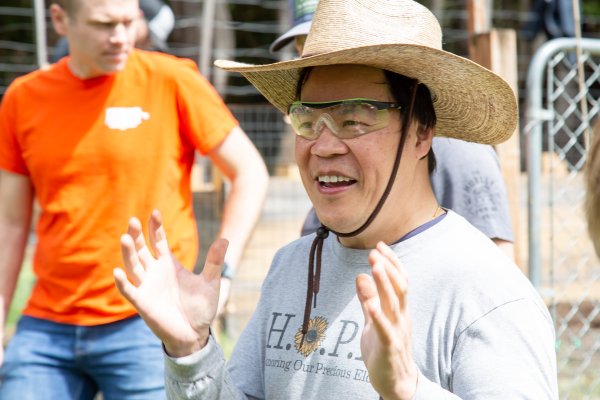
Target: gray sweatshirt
(480, 330)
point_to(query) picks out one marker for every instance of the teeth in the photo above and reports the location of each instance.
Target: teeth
(333, 179)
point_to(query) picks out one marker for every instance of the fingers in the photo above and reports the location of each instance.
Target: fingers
(389, 301)
(215, 258)
(134, 229)
(398, 273)
(136, 254)
(143, 252)
(367, 295)
(157, 235)
(133, 265)
(389, 275)
(383, 296)
(125, 287)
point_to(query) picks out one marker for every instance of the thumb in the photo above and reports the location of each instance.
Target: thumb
(215, 258)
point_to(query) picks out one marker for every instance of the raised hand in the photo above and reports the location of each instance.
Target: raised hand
(386, 339)
(177, 304)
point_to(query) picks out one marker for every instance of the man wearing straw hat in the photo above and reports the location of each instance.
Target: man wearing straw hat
(471, 185)
(394, 297)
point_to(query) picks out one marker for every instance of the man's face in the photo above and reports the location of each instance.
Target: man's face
(101, 35)
(357, 169)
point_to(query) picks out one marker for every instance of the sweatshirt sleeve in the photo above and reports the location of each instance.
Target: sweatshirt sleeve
(201, 375)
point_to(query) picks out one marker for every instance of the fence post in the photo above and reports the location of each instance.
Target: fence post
(40, 33)
(496, 49)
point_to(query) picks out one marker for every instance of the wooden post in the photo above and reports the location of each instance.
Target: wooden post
(479, 20)
(206, 51)
(41, 50)
(496, 49)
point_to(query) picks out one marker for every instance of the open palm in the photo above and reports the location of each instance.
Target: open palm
(177, 304)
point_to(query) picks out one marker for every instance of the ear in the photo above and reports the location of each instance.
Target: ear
(60, 19)
(423, 143)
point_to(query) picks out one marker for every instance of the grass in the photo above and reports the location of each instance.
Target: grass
(24, 285)
(223, 337)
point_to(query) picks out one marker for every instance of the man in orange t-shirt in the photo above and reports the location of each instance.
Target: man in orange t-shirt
(105, 134)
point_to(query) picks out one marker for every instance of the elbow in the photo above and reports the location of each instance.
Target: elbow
(258, 174)
(253, 176)
(263, 177)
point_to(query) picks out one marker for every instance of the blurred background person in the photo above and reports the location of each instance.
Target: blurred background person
(155, 23)
(107, 133)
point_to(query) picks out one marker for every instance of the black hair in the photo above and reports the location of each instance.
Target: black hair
(423, 111)
(400, 88)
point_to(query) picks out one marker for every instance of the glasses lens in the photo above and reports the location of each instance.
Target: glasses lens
(355, 119)
(302, 119)
(346, 120)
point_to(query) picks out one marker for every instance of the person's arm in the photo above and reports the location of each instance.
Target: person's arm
(473, 186)
(243, 166)
(179, 307)
(16, 203)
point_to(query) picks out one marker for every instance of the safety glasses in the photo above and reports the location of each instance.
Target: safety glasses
(347, 119)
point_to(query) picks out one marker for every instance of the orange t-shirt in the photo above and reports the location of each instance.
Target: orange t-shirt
(99, 151)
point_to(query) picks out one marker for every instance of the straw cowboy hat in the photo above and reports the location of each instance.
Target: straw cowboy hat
(471, 102)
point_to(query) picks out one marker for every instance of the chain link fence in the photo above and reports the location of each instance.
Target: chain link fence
(561, 259)
(562, 109)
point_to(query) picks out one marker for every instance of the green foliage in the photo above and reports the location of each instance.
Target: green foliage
(590, 8)
(24, 285)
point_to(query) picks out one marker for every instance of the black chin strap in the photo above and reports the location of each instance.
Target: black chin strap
(314, 259)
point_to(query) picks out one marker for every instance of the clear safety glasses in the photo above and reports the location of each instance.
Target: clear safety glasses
(347, 119)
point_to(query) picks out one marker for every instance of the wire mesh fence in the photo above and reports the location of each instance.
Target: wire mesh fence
(17, 48)
(243, 30)
(569, 271)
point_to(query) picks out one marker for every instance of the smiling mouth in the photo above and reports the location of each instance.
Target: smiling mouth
(115, 57)
(335, 181)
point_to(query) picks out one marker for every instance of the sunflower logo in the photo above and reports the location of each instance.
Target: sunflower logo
(313, 338)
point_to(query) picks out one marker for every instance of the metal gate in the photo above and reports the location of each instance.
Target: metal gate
(562, 108)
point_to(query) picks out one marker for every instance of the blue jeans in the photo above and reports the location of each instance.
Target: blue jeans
(48, 360)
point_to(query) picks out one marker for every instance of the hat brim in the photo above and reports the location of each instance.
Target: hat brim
(283, 40)
(471, 102)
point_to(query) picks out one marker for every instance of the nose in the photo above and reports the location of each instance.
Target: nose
(120, 34)
(327, 144)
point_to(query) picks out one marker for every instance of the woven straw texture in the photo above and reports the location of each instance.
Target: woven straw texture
(471, 102)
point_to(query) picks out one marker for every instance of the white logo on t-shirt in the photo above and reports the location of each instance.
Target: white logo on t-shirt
(123, 118)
